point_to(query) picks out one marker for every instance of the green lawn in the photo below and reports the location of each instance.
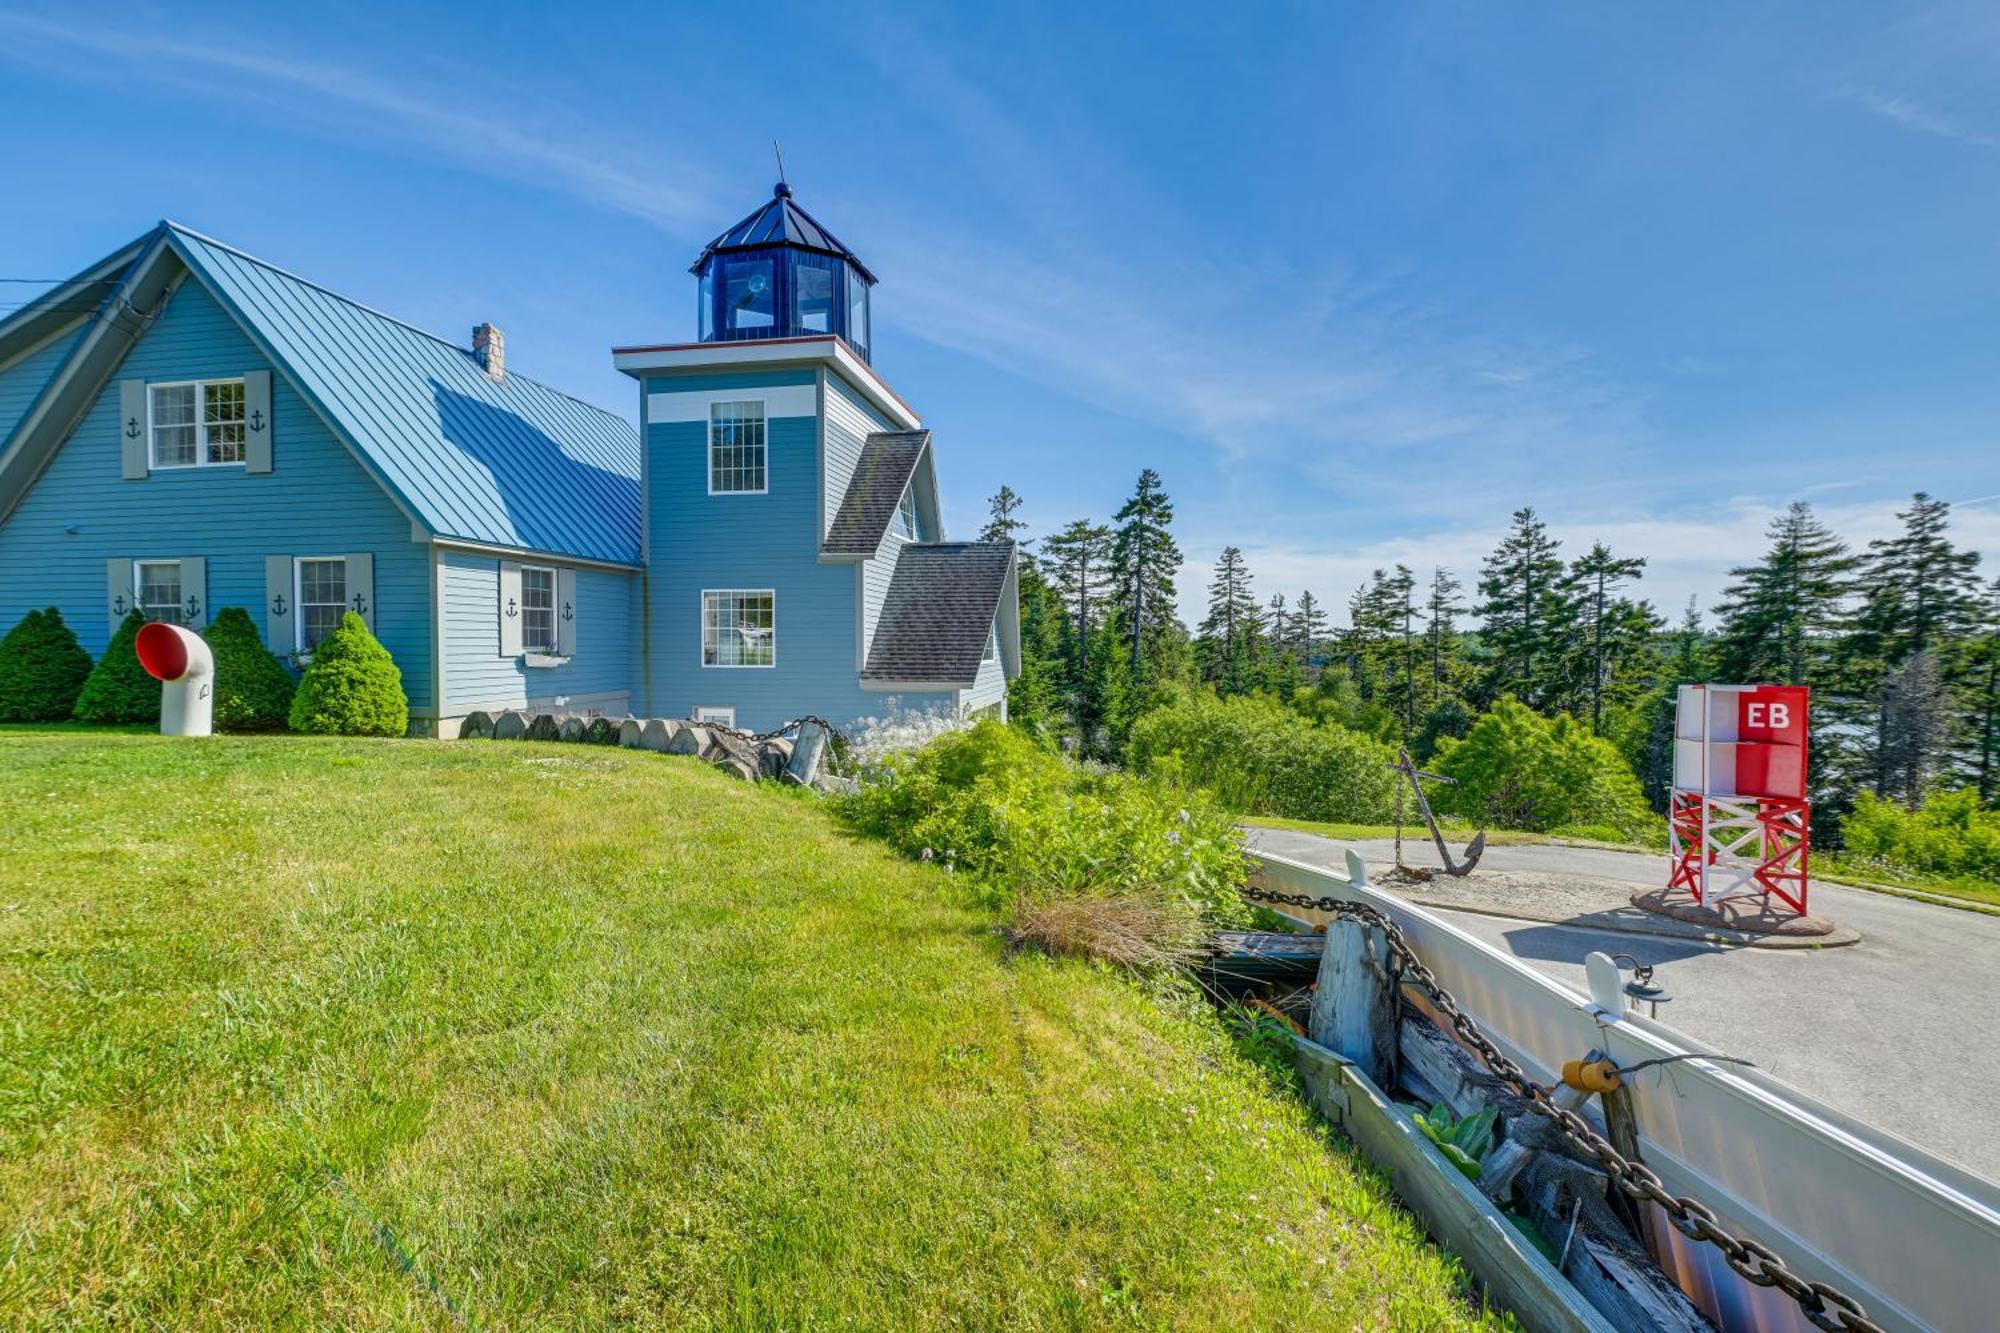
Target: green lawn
(303, 1032)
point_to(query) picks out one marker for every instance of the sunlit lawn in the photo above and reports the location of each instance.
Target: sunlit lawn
(301, 1032)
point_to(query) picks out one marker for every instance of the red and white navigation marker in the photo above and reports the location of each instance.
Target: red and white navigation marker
(1740, 822)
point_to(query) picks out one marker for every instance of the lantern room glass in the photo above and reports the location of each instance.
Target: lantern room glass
(782, 292)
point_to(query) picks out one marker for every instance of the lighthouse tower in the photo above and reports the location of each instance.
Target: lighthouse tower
(795, 558)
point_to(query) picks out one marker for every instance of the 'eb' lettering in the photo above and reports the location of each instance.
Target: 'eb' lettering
(1775, 716)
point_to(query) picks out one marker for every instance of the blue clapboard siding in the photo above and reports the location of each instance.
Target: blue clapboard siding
(477, 676)
(700, 541)
(316, 501)
(21, 381)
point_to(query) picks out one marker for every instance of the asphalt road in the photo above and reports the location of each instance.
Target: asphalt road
(1901, 1030)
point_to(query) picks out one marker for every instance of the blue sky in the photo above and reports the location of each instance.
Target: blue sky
(1357, 279)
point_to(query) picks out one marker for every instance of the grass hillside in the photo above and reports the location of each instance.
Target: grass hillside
(306, 1032)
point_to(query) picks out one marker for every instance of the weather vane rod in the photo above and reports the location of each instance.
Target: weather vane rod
(780, 154)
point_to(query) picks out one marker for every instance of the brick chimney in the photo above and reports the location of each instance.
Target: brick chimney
(489, 348)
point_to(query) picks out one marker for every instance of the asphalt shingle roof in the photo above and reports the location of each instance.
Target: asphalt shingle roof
(888, 460)
(507, 462)
(939, 611)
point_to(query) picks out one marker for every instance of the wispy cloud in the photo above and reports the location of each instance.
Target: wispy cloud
(1916, 117)
(352, 102)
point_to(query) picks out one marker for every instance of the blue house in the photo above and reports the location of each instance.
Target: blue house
(185, 428)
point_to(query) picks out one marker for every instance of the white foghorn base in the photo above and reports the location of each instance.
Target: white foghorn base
(187, 702)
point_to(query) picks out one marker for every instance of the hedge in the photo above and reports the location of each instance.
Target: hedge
(42, 669)
(352, 688)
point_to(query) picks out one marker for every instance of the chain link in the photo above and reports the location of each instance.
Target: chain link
(1825, 1306)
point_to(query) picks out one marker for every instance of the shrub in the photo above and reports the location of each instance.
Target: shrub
(1036, 834)
(253, 691)
(119, 690)
(1260, 757)
(352, 687)
(42, 669)
(1517, 769)
(1950, 835)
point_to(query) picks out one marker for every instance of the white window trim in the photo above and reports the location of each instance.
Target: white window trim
(708, 444)
(299, 604)
(701, 629)
(991, 652)
(153, 463)
(727, 711)
(139, 564)
(553, 649)
(906, 507)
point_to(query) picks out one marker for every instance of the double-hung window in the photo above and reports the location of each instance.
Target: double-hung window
(736, 453)
(321, 599)
(739, 628)
(198, 424)
(538, 609)
(156, 587)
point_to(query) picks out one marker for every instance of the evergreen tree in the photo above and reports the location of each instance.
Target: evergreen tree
(1979, 670)
(42, 669)
(1233, 625)
(1918, 594)
(1441, 610)
(1308, 627)
(1144, 560)
(118, 688)
(1526, 614)
(1916, 727)
(1648, 738)
(1277, 626)
(1780, 619)
(1614, 629)
(1001, 525)
(1034, 698)
(1076, 560)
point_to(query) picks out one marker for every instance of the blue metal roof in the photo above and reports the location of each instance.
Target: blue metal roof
(781, 222)
(510, 462)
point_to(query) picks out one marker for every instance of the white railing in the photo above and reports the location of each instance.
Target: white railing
(1913, 1238)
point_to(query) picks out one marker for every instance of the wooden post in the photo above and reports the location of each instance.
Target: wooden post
(1352, 1011)
(1622, 1128)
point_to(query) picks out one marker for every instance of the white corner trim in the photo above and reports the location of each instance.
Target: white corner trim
(824, 351)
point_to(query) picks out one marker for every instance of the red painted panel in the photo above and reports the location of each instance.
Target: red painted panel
(1770, 770)
(1775, 713)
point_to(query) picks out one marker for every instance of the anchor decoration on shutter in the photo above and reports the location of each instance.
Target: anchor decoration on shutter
(278, 605)
(257, 421)
(132, 459)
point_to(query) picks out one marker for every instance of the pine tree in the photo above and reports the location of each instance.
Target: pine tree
(1233, 624)
(1308, 627)
(1918, 594)
(1034, 697)
(1608, 622)
(1979, 670)
(1915, 726)
(1441, 609)
(1277, 626)
(1001, 525)
(1076, 562)
(1526, 613)
(1779, 621)
(1648, 744)
(1144, 560)
(1396, 599)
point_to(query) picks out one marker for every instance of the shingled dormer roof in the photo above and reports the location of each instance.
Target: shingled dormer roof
(939, 611)
(888, 460)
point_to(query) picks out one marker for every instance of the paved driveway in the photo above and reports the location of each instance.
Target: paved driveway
(1901, 1030)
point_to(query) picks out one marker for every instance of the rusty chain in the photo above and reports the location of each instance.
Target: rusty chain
(1826, 1307)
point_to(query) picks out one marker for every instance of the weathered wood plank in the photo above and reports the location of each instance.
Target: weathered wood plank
(1515, 1274)
(1352, 1011)
(1567, 1200)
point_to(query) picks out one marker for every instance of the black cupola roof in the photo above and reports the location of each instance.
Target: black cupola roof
(781, 222)
(779, 274)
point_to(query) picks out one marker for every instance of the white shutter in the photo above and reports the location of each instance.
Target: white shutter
(279, 633)
(566, 612)
(510, 609)
(133, 428)
(194, 592)
(361, 587)
(119, 596)
(257, 421)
